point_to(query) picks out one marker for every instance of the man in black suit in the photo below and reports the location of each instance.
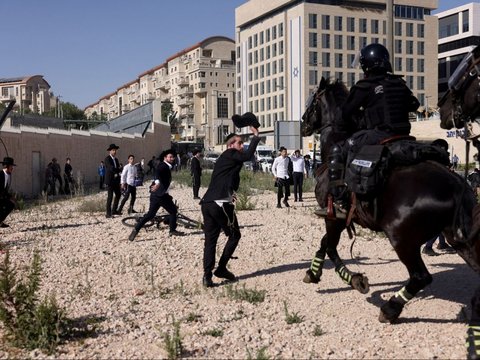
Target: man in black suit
(218, 207)
(196, 172)
(112, 180)
(7, 201)
(159, 196)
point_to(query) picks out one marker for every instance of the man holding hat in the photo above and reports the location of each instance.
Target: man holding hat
(7, 201)
(218, 203)
(112, 180)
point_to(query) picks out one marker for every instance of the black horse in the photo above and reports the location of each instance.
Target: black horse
(459, 108)
(406, 216)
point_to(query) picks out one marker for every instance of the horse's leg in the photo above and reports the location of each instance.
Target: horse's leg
(473, 331)
(314, 273)
(419, 279)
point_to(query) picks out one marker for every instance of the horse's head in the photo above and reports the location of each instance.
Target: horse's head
(323, 106)
(462, 101)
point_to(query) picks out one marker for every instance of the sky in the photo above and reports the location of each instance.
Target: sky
(86, 49)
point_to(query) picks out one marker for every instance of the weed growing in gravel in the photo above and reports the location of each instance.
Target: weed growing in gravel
(318, 331)
(245, 202)
(261, 354)
(253, 296)
(214, 332)
(292, 318)
(173, 342)
(29, 323)
(192, 317)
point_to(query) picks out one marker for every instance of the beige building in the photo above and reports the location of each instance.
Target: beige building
(198, 81)
(284, 47)
(30, 92)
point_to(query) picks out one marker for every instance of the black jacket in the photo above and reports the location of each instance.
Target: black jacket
(164, 175)
(112, 172)
(378, 102)
(4, 192)
(226, 172)
(195, 168)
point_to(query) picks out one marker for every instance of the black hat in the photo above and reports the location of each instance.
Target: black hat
(247, 119)
(166, 152)
(8, 161)
(112, 146)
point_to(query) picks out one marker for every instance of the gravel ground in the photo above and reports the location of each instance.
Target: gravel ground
(134, 290)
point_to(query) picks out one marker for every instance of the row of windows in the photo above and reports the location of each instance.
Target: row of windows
(265, 53)
(271, 68)
(450, 25)
(265, 36)
(266, 87)
(267, 104)
(410, 12)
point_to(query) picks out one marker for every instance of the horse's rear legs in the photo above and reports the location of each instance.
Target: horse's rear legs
(419, 279)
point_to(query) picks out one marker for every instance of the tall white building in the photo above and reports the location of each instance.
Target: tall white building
(284, 47)
(458, 34)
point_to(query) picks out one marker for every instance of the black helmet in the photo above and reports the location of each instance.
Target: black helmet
(374, 58)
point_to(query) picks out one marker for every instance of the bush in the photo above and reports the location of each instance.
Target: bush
(92, 206)
(29, 323)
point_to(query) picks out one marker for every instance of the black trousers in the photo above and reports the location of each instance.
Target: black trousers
(215, 219)
(297, 185)
(195, 185)
(6, 207)
(131, 193)
(283, 184)
(102, 180)
(113, 189)
(156, 202)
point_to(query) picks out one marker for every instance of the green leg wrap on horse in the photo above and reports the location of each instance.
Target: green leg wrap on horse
(344, 274)
(316, 266)
(473, 342)
(403, 296)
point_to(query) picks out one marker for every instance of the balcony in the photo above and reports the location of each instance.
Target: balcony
(183, 82)
(185, 102)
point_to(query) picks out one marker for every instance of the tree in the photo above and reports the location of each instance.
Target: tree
(170, 116)
(71, 112)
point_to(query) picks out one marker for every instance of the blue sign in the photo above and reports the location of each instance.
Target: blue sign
(456, 133)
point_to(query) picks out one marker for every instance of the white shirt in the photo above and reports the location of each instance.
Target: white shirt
(7, 179)
(298, 164)
(280, 167)
(128, 174)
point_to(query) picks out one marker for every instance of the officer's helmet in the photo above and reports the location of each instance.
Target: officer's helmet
(375, 59)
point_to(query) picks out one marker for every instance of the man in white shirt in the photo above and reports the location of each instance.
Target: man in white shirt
(280, 171)
(298, 174)
(127, 183)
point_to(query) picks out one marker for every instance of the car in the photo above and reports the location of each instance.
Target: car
(266, 165)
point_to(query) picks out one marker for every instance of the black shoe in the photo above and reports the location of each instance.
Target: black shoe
(224, 274)
(108, 216)
(176, 233)
(279, 206)
(429, 251)
(207, 281)
(133, 212)
(300, 200)
(196, 198)
(285, 202)
(133, 234)
(3, 225)
(117, 212)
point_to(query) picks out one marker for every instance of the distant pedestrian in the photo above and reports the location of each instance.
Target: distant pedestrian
(196, 172)
(112, 180)
(128, 186)
(68, 177)
(7, 200)
(280, 174)
(299, 172)
(56, 174)
(454, 161)
(49, 187)
(101, 174)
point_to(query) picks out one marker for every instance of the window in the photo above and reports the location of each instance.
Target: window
(350, 59)
(274, 32)
(421, 65)
(351, 24)
(274, 67)
(222, 107)
(409, 29)
(420, 83)
(350, 79)
(325, 22)
(326, 41)
(374, 27)
(409, 47)
(249, 42)
(421, 48)
(420, 30)
(326, 59)
(261, 38)
(409, 64)
(312, 21)
(326, 74)
(267, 35)
(255, 40)
(362, 42)
(448, 26)
(312, 58)
(409, 81)
(398, 28)
(398, 46)
(398, 64)
(268, 69)
(274, 49)
(280, 65)
(280, 48)
(339, 75)
(338, 39)
(280, 30)
(262, 56)
(350, 42)
(338, 60)
(465, 21)
(362, 24)
(338, 24)
(312, 77)
(312, 39)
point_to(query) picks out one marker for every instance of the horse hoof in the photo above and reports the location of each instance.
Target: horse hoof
(360, 283)
(310, 278)
(383, 318)
(389, 312)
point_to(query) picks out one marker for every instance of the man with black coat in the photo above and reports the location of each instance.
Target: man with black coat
(112, 180)
(7, 201)
(196, 172)
(159, 196)
(218, 207)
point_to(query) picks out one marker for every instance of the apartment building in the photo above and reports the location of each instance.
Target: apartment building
(284, 47)
(458, 34)
(198, 81)
(30, 92)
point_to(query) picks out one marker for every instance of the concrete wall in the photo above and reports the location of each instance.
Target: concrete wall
(34, 148)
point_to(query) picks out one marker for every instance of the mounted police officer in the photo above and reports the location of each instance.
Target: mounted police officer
(376, 109)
